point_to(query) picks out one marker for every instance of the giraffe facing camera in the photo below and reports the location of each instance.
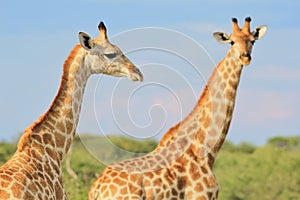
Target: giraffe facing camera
(242, 39)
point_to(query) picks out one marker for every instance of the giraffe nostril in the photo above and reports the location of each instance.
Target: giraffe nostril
(135, 75)
(245, 54)
(245, 58)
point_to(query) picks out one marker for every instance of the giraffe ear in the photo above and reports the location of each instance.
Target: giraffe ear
(259, 32)
(85, 41)
(222, 37)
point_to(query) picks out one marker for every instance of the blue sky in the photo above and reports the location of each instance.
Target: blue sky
(36, 38)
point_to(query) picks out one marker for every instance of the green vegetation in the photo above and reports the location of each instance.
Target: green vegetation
(244, 171)
(268, 172)
(6, 151)
(88, 167)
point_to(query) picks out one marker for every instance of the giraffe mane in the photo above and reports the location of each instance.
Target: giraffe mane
(25, 138)
(168, 136)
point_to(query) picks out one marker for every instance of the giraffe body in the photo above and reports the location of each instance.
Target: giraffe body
(181, 167)
(35, 170)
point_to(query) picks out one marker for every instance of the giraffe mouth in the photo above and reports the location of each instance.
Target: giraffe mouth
(245, 59)
(132, 74)
(135, 75)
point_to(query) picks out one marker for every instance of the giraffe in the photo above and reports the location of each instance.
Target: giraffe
(35, 170)
(181, 167)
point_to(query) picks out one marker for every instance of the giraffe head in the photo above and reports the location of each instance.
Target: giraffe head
(242, 39)
(106, 58)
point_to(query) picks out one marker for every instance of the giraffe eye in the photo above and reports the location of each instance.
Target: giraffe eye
(232, 42)
(110, 55)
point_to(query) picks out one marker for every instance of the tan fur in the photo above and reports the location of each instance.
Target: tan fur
(27, 133)
(181, 167)
(35, 170)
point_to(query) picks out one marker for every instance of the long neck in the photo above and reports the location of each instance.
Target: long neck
(220, 95)
(204, 130)
(54, 131)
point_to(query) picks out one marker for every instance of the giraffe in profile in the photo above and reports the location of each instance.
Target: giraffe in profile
(181, 167)
(35, 170)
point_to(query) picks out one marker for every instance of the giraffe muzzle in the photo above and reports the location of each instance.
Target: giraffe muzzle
(245, 58)
(135, 75)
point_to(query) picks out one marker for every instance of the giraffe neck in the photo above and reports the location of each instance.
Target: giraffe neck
(53, 133)
(216, 115)
(201, 134)
(204, 130)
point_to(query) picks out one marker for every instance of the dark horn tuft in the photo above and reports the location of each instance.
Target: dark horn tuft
(248, 19)
(234, 20)
(101, 26)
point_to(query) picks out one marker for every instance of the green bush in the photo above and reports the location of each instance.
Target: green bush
(88, 168)
(268, 172)
(244, 172)
(6, 151)
(285, 142)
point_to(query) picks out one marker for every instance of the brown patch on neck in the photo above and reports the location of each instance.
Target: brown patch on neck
(25, 139)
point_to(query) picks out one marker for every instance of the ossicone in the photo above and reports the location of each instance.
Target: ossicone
(101, 26)
(102, 30)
